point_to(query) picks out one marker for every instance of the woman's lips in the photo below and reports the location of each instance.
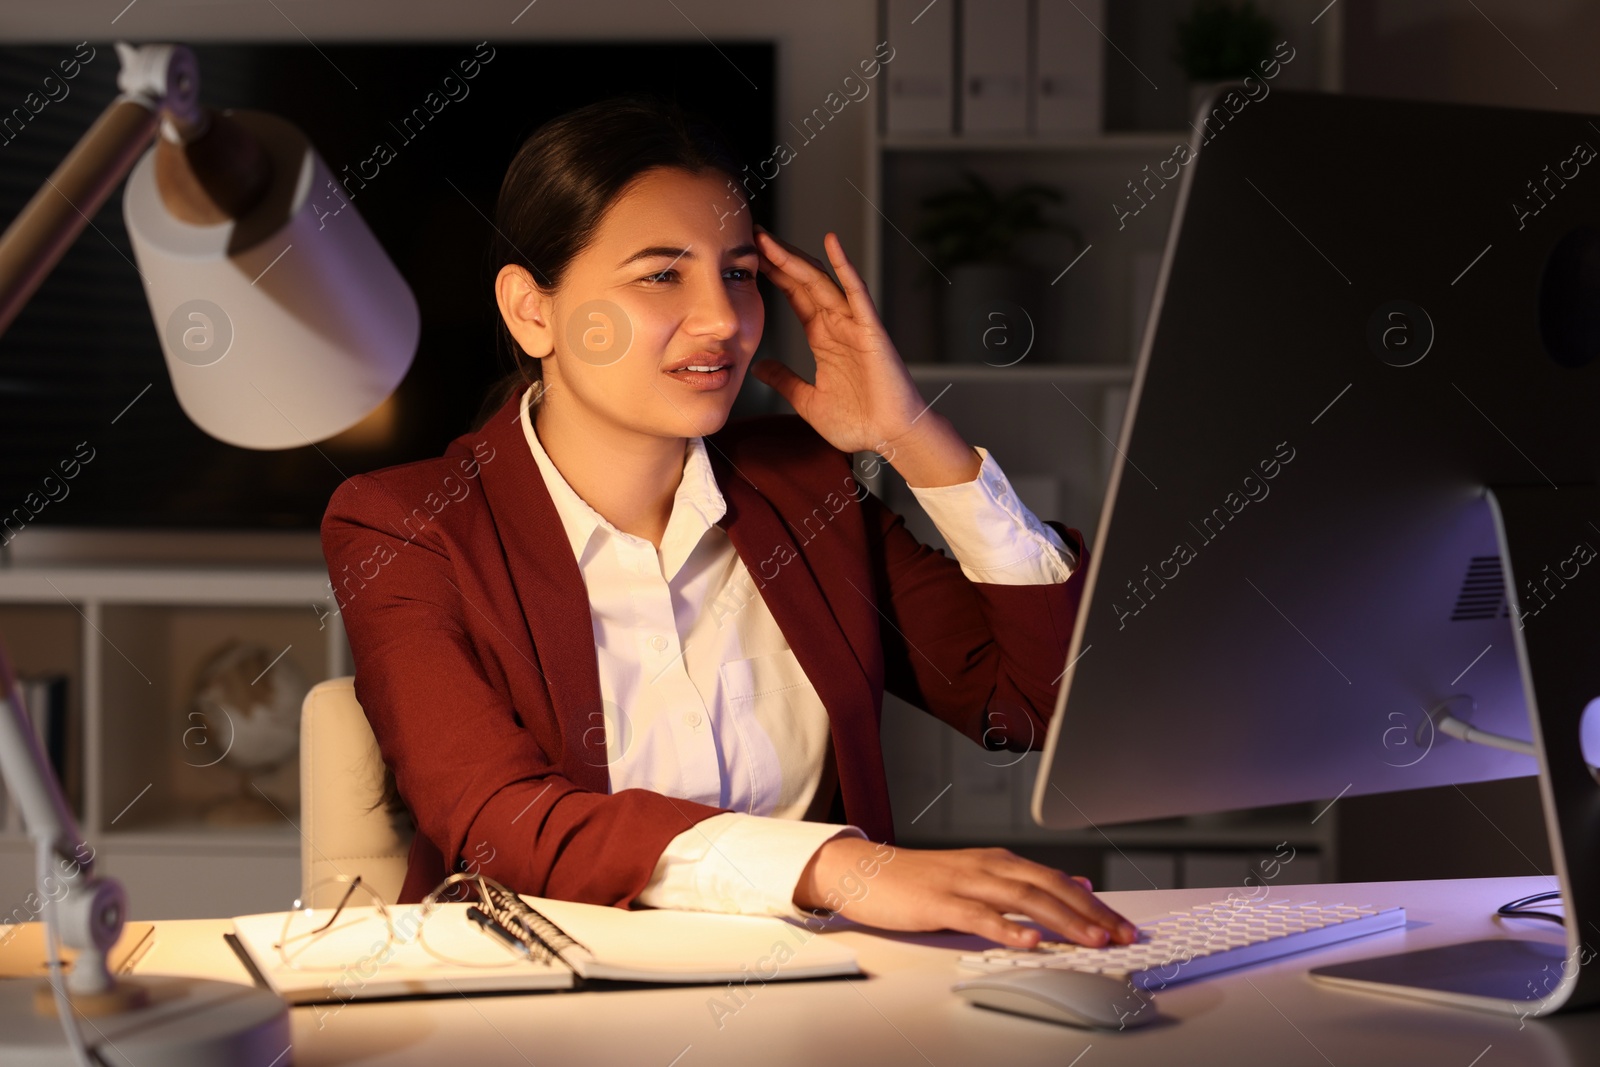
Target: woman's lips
(703, 380)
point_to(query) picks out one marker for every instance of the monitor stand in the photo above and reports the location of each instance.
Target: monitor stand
(1558, 648)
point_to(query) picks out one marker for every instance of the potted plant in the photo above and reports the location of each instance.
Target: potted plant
(992, 308)
(1221, 42)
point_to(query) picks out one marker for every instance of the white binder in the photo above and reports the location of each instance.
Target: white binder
(921, 79)
(1069, 66)
(994, 67)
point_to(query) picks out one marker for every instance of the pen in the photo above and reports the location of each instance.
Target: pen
(490, 926)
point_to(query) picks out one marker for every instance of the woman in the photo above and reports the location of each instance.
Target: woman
(705, 734)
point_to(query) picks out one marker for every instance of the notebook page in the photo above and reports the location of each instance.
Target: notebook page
(407, 968)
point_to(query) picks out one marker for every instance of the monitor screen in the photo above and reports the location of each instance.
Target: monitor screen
(1369, 311)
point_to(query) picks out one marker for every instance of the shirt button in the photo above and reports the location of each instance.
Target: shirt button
(658, 643)
(691, 718)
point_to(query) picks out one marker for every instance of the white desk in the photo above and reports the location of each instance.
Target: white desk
(902, 1011)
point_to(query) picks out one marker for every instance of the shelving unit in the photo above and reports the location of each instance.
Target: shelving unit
(1127, 140)
(131, 640)
(1052, 421)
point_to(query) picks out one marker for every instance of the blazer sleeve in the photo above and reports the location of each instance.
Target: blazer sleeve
(986, 658)
(476, 780)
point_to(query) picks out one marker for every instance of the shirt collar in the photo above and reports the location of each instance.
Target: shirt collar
(696, 506)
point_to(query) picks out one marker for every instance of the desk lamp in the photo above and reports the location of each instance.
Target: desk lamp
(283, 323)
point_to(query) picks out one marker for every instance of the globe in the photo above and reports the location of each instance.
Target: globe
(246, 718)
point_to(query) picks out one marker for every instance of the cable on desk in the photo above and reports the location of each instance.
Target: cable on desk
(1520, 908)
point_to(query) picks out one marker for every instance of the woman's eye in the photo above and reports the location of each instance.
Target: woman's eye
(737, 274)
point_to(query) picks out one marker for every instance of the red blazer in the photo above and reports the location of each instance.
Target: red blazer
(475, 663)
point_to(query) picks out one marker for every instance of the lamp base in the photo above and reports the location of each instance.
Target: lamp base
(185, 1022)
(124, 996)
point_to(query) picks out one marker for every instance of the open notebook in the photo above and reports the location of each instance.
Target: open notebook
(566, 942)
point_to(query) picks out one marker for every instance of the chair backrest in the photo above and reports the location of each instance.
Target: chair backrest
(341, 779)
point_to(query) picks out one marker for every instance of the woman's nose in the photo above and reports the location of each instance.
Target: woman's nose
(713, 312)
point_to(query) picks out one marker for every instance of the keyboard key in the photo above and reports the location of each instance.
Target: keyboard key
(1203, 940)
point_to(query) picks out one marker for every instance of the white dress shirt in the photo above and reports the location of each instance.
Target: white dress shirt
(703, 698)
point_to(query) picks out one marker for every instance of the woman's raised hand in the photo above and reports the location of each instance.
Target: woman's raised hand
(863, 397)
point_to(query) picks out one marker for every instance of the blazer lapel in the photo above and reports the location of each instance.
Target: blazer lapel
(549, 586)
(821, 640)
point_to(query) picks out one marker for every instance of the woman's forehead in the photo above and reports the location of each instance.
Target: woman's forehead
(668, 202)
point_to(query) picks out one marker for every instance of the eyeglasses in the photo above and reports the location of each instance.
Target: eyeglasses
(359, 933)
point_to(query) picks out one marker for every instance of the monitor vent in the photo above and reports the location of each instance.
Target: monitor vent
(1483, 592)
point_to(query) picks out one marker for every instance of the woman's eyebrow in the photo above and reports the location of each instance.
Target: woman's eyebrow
(663, 251)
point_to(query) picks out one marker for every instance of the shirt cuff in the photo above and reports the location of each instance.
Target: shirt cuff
(740, 863)
(992, 534)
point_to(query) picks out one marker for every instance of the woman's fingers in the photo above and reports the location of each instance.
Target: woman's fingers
(786, 383)
(855, 290)
(1068, 918)
(796, 272)
(849, 279)
(1086, 923)
(794, 251)
(973, 917)
(1078, 901)
(1076, 895)
(792, 288)
(848, 295)
(1046, 895)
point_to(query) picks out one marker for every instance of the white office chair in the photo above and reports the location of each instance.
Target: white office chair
(341, 778)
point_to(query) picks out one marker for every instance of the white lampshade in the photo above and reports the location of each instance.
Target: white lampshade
(281, 328)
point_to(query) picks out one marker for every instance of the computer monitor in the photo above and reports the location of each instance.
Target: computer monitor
(1368, 378)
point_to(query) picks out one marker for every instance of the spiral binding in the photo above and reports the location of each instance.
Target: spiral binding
(545, 940)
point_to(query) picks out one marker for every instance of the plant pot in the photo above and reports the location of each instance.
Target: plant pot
(992, 313)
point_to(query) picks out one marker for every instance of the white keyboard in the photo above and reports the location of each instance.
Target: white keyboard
(1201, 941)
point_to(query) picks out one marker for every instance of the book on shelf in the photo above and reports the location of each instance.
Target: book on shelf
(536, 943)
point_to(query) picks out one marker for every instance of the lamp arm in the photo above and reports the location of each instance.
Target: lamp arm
(90, 911)
(44, 810)
(39, 236)
(153, 78)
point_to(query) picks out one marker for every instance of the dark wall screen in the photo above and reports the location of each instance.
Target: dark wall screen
(83, 384)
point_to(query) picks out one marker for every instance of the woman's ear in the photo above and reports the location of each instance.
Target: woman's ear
(526, 309)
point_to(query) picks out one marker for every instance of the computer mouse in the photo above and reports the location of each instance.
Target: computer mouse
(1075, 998)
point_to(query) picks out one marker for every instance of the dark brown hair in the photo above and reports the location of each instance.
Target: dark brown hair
(564, 178)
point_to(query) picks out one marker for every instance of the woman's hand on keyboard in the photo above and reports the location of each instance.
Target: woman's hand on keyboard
(966, 889)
